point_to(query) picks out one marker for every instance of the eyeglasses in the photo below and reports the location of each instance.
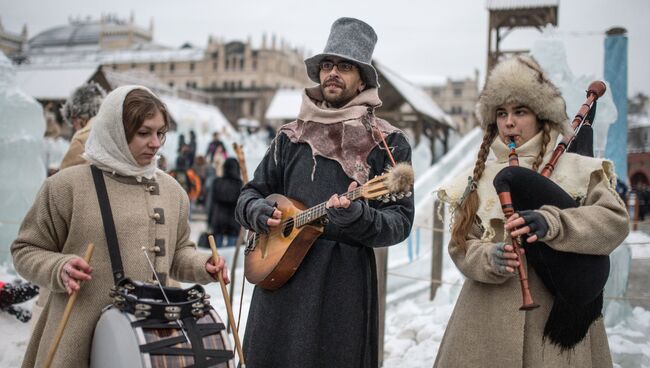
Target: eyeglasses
(341, 66)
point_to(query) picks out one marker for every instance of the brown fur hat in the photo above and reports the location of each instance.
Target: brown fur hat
(520, 79)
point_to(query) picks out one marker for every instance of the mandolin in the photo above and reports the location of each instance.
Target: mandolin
(273, 258)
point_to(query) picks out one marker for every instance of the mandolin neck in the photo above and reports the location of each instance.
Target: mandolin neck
(319, 211)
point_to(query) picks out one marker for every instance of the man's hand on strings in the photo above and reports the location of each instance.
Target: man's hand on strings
(341, 211)
(341, 201)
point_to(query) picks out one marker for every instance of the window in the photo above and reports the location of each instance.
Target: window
(214, 65)
(227, 64)
(241, 64)
(171, 67)
(171, 84)
(458, 92)
(152, 67)
(240, 85)
(254, 64)
(191, 67)
(132, 66)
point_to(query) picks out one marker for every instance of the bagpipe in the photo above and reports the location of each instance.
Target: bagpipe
(575, 280)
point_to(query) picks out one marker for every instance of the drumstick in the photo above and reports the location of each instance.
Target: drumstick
(66, 312)
(226, 299)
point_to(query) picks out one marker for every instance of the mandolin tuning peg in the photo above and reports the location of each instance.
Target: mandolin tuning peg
(400, 195)
(385, 199)
(393, 197)
(408, 194)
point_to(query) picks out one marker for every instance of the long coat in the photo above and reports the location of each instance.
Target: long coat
(326, 314)
(225, 192)
(65, 217)
(487, 329)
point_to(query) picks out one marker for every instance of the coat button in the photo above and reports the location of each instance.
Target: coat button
(155, 216)
(156, 249)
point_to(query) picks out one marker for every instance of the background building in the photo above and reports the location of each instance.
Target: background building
(457, 97)
(235, 76)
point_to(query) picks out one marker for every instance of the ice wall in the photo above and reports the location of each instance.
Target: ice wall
(551, 55)
(22, 170)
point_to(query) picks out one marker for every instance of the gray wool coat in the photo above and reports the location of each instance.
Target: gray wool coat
(62, 221)
(487, 329)
(326, 314)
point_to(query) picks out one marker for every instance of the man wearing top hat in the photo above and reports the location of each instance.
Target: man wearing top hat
(326, 314)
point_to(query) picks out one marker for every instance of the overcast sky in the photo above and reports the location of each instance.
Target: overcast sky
(417, 38)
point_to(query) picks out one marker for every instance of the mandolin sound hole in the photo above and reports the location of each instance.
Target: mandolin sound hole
(287, 228)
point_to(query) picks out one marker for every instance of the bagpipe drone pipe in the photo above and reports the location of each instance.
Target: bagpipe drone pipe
(575, 280)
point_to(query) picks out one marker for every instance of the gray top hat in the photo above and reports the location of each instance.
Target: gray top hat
(350, 39)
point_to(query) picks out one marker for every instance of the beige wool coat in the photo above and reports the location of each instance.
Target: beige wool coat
(77, 146)
(66, 217)
(486, 328)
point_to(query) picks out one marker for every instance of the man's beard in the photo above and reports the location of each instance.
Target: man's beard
(339, 100)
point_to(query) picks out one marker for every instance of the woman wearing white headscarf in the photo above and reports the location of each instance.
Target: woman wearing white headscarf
(149, 208)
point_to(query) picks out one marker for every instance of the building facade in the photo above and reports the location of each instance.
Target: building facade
(457, 97)
(236, 76)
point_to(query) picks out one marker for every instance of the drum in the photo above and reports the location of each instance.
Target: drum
(147, 327)
(122, 340)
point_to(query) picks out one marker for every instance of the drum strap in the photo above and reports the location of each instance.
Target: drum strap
(197, 331)
(109, 224)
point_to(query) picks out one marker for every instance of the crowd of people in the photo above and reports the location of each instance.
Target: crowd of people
(327, 313)
(213, 183)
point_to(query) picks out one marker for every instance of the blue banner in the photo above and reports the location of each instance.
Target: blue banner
(616, 75)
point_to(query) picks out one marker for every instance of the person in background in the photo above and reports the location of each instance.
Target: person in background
(78, 111)
(212, 147)
(189, 181)
(149, 209)
(218, 160)
(191, 154)
(206, 173)
(221, 211)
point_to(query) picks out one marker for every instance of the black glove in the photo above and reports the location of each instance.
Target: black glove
(11, 294)
(536, 222)
(496, 255)
(343, 217)
(258, 213)
(23, 315)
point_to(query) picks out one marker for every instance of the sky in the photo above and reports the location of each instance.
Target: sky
(420, 39)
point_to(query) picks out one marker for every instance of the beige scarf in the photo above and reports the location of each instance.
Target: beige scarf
(572, 174)
(342, 135)
(106, 147)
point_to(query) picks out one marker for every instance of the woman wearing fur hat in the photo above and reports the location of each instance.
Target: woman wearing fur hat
(149, 209)
(486, 328)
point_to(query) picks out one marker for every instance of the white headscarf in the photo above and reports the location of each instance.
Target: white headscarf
(107, 147)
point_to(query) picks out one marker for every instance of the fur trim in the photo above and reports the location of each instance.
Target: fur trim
(521, 79)
(84, 102)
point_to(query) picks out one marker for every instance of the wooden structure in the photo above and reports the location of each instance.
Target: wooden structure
(409, 107)
(507, 15)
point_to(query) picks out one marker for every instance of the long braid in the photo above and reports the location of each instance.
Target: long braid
(465, 214)
(545, 140)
